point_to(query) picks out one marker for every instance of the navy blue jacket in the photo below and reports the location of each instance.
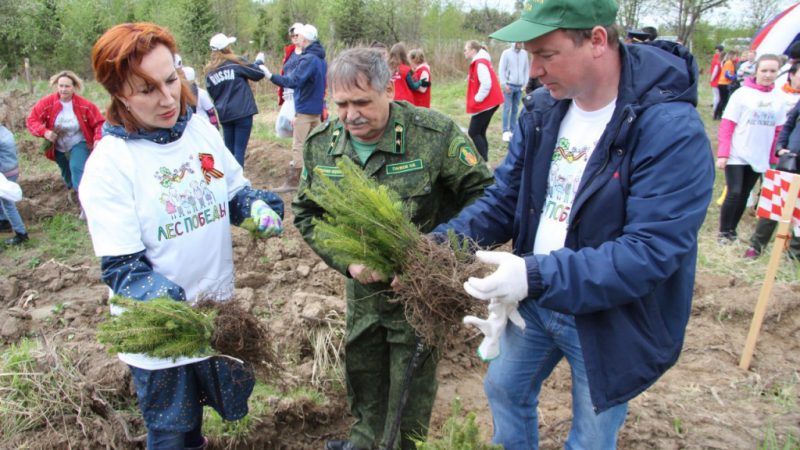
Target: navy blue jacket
(228, 87)
(627, 269)
(789, 137)
(307, 79)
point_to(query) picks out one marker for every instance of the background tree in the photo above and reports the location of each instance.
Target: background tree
(198, 25)
(630, 11)
(684, 15)
(760, 12)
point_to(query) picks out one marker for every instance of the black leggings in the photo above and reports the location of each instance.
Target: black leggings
(740, 180)
(478, 125)
(724, 95)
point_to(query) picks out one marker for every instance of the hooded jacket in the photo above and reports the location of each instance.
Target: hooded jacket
(627, 269)
(229, 88)
(307, 79)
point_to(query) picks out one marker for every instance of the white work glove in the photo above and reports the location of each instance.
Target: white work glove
(508, 284)
(259, 58)
(265, 70)
(494, 326)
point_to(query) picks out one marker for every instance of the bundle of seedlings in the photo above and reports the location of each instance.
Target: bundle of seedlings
(377, 231)
(165, 328)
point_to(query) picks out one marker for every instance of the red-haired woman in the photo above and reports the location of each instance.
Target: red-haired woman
(70, 123)
(160, 193)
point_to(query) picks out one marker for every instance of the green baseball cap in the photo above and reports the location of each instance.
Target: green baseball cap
(540, 17)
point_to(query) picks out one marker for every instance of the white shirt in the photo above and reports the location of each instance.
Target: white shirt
(204, 103)
(139, 195)
(756, 114)
(484, 76)
(577, 138)
(68, 128)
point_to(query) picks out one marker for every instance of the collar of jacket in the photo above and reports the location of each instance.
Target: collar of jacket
(159, 136)
(392, 141)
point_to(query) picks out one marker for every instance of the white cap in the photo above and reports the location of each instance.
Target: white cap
(308, 31)
(295, 27)
(188, 72)
(220, 41)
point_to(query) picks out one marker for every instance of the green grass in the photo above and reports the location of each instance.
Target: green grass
(63, 238)
(260, 405)
(459, 432)
(772, 441)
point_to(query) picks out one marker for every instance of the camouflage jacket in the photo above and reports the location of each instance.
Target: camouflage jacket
(423, 156)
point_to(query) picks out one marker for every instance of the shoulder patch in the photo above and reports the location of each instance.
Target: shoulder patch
(467, 155)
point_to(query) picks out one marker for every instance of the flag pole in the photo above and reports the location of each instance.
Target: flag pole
(769, 279)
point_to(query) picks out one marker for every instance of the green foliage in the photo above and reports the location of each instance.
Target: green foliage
(260, 404)
(458, 433)
(161, 327)
(773, 442)
(375, 230)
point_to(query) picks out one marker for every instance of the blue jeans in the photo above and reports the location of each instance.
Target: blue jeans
(511, 102)
(8, 211)
(72, 166)
(237, 134)
(514, 380)
(175, 440)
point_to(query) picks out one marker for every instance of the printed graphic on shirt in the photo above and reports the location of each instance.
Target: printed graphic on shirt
(187, 202)
(564, 179)
(761, 117)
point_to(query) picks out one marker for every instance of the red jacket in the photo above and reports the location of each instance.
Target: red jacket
(45, 111)
(495, 96)
(423, 99)
(401, 89)
(287, 52)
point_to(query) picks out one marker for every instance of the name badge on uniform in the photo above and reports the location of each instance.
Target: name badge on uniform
(404, 167)
(329, 171)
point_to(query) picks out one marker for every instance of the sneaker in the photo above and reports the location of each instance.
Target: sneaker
(726, 238)
(506, 136)
(17, 239)
(751, 253)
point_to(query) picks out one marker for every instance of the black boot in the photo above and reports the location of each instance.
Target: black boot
(17, 239)
(341, 445)
(5, 225)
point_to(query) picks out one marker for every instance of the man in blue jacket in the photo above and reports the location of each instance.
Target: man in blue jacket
(308, 81)
(603, 191)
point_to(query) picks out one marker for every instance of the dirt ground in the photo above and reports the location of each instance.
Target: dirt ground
(704, 402)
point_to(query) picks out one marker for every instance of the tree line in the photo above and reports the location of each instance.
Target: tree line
(59, 34)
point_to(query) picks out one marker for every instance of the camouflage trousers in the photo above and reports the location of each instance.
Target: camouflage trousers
(378, 348)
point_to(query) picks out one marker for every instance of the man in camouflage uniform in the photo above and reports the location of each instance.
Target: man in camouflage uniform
(431, 164)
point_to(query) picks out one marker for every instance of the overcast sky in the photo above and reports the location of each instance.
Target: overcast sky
(732, 12)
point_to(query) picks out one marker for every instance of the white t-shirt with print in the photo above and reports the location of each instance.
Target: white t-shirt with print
(577, 138)
(756, 114)
(139, 195)
(69, 130)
